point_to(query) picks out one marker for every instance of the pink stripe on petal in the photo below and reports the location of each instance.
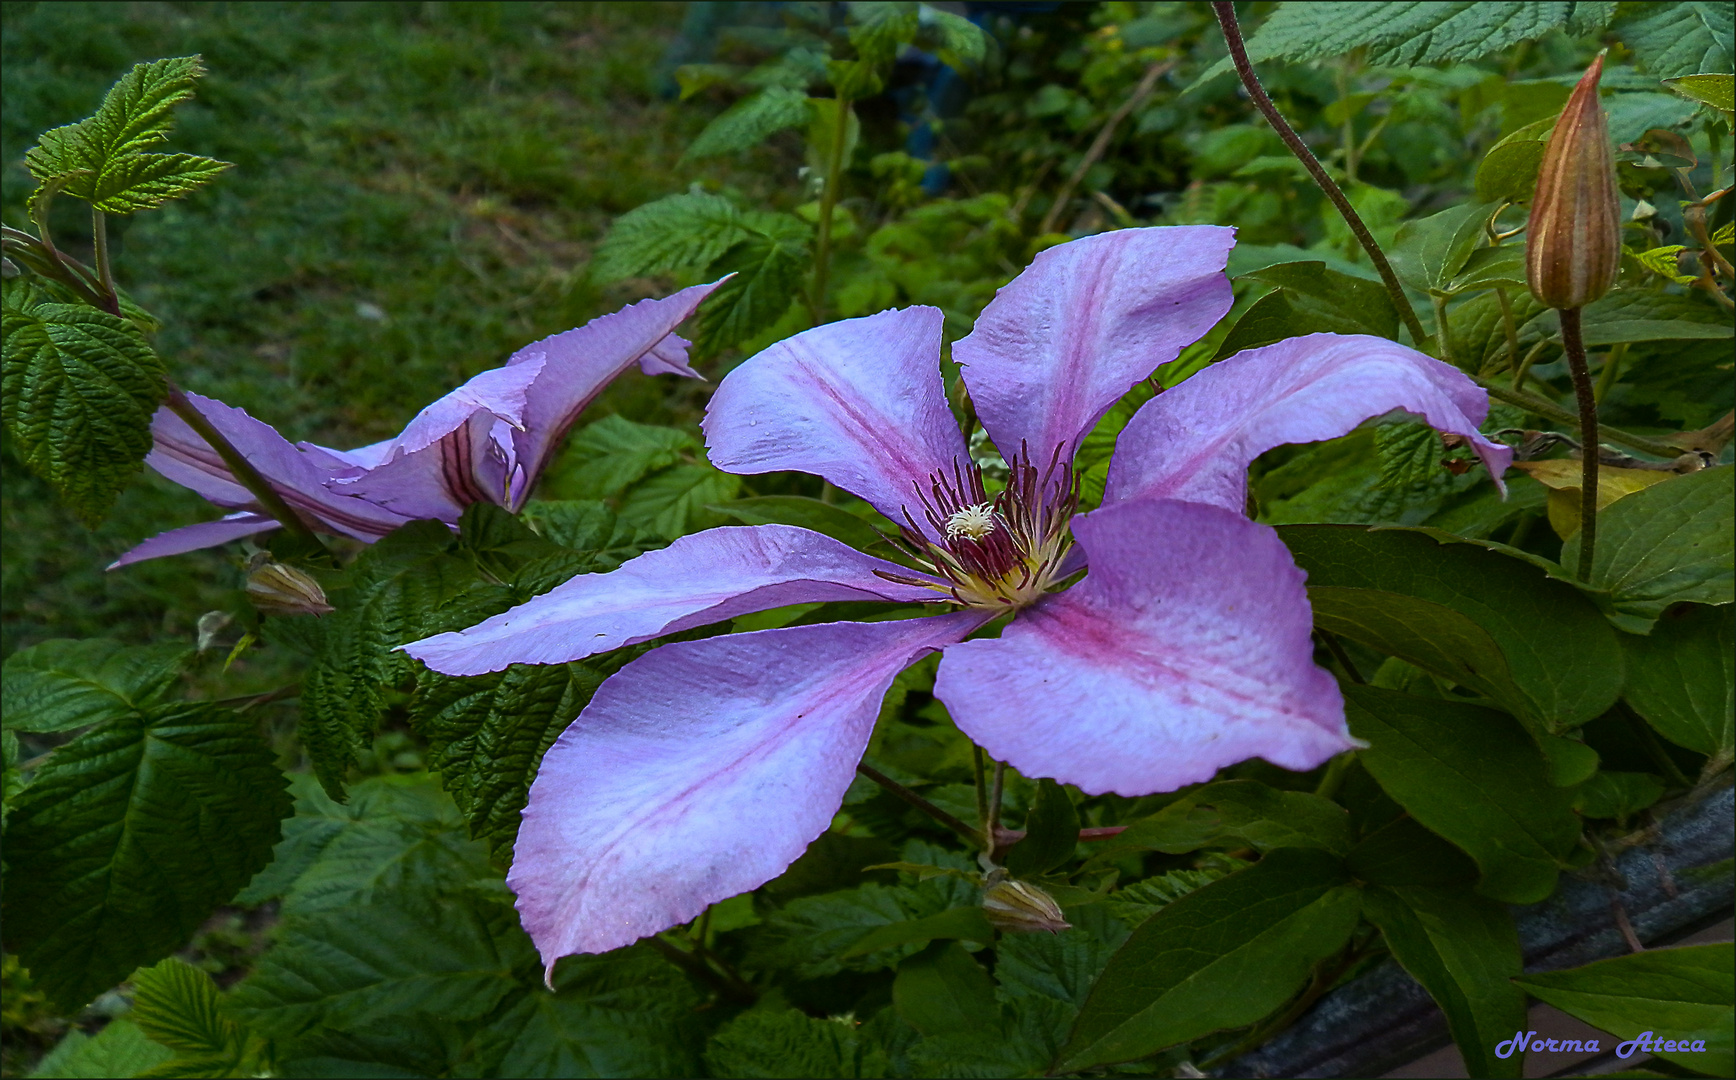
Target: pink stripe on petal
(499, 391)
(194, 537)
(1184, 650)
(1194, 441)
(859, 402)
(1088, 319)
(700, 771)
(702, 578)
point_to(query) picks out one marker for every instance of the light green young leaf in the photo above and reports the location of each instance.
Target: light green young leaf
(146, 181)
(1718, 91)
(751, 121)
(127, 839)
(178, 1005)
(78, 388)
(788, 1042)
(613, 453)
(880, 27)
(119, 1049)
(62, 684)
(679, 232)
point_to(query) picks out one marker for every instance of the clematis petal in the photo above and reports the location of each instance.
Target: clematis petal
(1184, 650)
(701, 578)
(1088, 319)
(859, 402)
(701, 770)
(577, 365)
(1194, 441)
(499, 392)
(466, 465)
(193, 537)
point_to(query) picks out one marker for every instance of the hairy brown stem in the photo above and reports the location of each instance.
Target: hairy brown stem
(239, 467)
(1582, 390)
(1226, 13)
(1100, 144)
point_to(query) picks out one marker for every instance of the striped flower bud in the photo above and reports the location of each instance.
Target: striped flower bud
(276, 589)
(1020, 907)
(1573, 241)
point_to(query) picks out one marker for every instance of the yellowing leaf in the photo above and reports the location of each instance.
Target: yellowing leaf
(1562, 477)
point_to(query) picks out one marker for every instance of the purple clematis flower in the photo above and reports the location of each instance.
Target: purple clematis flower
(704, 768)
(486, 441)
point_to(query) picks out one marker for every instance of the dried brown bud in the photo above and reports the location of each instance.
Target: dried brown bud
(1573, 241)
(276, 589)
(1020, 907)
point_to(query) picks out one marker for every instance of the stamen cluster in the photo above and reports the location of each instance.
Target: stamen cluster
(1000, 553)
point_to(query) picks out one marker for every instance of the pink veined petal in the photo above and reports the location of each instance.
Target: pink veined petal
(499, 391)
(699, 771)
(1184, 650)
(1088, 319)
(577, 365)
(859, 402)
(468, 464)
(193, 537)
(702, 578)
(1194, 441)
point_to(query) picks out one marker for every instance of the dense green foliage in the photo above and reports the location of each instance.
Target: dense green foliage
(380, 200)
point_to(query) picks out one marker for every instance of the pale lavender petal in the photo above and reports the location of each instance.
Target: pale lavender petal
(1194, 441)
(499, 391)
(468, 464)
(579, 363)
(701, 578)
(700, 771)
(859, 402)
(669, 357)
(359, 460)
(1184, 650)
(193, 537)
(181, 455)
(1088, 319)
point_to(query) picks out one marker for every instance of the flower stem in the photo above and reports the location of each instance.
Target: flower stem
(982, 793)
(727, 983)
(1443, 336)
(1226, 13)
(104, 272)
(975, 836)
(995, 795)
(239, 467)
(828, 202)
(1551, 411)
(1611, 370)
(1588, 455)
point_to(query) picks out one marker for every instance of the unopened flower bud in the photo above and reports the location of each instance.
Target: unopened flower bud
(1573, 241)
(276, 589)
(1019, 907)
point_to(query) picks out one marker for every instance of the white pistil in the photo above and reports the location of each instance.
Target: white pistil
(973, 522)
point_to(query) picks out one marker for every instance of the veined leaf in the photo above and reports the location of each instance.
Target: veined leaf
(63, 684)
(178, 1006)
(1051, 833)
(788, 1042)
(145, 181)
(1682, 677)
(769, 266)
(119, 1049)
(614, 452)
(673, 502)
(78, 387)
(942, 989)
(127, 839)
(751, 120)
(680, 232)
(1238, 812)
(1679, 37)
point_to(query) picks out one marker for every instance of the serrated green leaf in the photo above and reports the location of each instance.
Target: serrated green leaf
(1681, 994)
(673, 502)
(880, 27)
(1464, 950)
(127, 839)
(1664, 262)
(1718, 91)
(590, 526)
(146, 181)
(769, 268)
(1678, 38)
(613, 453)
(955, 40)
(1682, 677)
(78, 388)
(787, 1042)
(1409, 452)
(1669, 543)
(119, 1049)
(1143, 899)
(820, 517)
(178, 1005)
(751, 121)
(811, 936)
(962, 923)
(1220, 957)
(942, 989)
(62, 684)
(679, 232)
(1471, 775)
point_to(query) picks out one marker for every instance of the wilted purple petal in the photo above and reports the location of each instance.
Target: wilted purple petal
(1194, 441)
(1071, 334)
(701, 578)
(1185, 649)
(700, 771)
(577, 365)
(859, 402)
(193, 537)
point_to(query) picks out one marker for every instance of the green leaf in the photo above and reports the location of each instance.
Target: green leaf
(1431, 251)
(1408, 34)
(119, 1049)
(1410, 453)
(1508, 172)
(1311, 299)
(614, 453)
(1491, 267)
(679, 232)
(813, 936)
(127, 839)
(750, 121)
(1642, 315)
(880, 27)
(147, 181)
(1403, 853)
(1682, 677)
(62, 684)
(1143, 899)
(942, 989)
(1464, 950)
(823, 518)
(1051, 833)
(1676, 38)
(769, 267)
(1062, 967)
(178, 1005)
(1470, 775)
(78, 388)
(1238, 812)
(955, 40)
(966, 923)
(587, 525)
(487, 735)
(787, 1042)
(1718, 91)
(1669, 543)
(1490, 622)
(1615, 795)
(674, 502)
(1218, 958)
(1681, 994)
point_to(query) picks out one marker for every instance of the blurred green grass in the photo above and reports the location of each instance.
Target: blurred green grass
(417, 188)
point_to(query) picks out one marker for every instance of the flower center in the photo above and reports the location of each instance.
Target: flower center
(1000, 553)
